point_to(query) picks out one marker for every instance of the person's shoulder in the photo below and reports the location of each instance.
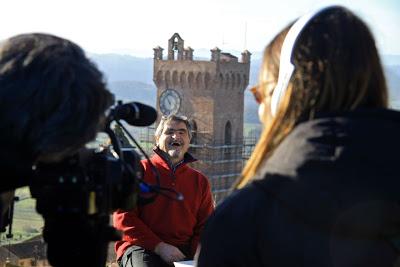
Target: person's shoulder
(196, 173)
(145, 163)
(235, 221)
(244, 202)
(251, 193)
(153, 159)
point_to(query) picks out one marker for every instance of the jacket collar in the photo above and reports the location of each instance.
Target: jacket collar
(163, 158)
(332, 138)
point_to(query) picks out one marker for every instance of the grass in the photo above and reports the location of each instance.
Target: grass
(27, 222)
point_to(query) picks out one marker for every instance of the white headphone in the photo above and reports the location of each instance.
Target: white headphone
(286, 67)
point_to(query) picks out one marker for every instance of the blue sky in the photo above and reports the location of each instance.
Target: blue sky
(135, 27)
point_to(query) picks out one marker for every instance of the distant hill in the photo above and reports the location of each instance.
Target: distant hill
(124, 67)
(130, 78)
(134, 91)
(393, 82)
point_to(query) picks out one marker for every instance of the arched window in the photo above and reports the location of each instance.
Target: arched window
(238, 81)
(228, 133)
(194, 132)
(199, 80)
(227, 81)
(183, 80)
(207, 80)
(175, 81)
(168, 78)
(233, 81)
(220, 81)
(228, 141)
(191, 79)
(193, 142)
(160, 77)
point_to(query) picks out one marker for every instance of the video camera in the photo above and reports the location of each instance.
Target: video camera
(76, 196)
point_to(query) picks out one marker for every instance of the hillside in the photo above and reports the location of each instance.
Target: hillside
(27, 223)
(134, 91)
(130, 78)
(392, 73)
(124, 67)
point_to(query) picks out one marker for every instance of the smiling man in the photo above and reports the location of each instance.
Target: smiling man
(166, 230)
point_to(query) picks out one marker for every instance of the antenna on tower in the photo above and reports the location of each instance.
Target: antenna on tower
(223, 41)
(245, 35)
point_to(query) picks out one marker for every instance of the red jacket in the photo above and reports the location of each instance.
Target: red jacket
(178, 223)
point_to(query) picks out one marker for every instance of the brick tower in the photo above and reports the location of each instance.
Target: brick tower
(211, 94)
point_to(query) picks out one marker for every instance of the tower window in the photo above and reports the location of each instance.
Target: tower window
(228, 133)
(194, 132)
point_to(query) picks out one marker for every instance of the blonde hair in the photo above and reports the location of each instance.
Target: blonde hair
(337, 68)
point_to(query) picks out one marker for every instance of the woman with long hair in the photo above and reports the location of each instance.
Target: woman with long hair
(322, 186)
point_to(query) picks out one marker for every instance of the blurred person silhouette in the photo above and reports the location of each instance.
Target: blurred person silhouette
(52, 102)
(322, 186)
(166, 230)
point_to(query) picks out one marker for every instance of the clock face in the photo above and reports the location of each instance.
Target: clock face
(170, 102)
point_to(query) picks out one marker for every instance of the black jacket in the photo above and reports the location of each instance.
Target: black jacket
(328, 196)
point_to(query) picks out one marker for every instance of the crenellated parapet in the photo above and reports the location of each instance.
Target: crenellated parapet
(215, 54)
(223, 72)
(203, 80)
(188, 53)
(158, 53)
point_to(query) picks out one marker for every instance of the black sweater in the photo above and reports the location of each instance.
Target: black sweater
(328, 196)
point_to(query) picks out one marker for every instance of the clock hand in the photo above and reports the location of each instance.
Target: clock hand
(169, 103)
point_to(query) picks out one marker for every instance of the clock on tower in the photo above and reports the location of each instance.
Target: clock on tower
(169, 102)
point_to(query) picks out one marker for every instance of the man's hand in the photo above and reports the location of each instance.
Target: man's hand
(168, 252)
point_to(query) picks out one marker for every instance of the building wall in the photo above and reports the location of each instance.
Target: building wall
(229, 99)
(212, 94)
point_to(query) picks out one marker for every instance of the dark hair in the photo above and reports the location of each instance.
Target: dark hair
(52, 97)
(173, 117)
(338, 66)
(337, 69)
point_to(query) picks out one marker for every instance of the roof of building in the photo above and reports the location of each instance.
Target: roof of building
(35, 238)
(34, 247)
(228, 55)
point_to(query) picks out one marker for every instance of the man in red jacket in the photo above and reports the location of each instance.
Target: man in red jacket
(166, 230)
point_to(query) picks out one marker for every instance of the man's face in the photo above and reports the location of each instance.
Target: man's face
(174, 140)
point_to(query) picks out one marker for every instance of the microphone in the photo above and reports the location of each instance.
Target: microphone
(134, 113)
